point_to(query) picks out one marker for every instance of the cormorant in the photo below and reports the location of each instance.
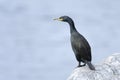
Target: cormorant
(79, 44)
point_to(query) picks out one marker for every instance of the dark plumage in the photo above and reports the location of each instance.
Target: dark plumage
(79, 44)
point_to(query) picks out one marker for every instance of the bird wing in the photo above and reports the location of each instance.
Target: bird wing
(81, 47)
(85, 48)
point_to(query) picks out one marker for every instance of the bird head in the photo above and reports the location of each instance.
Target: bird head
(63, 18)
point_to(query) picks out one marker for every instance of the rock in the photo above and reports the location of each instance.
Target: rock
(109, 69)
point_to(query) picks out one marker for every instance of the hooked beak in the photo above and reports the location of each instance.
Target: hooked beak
(59, 19)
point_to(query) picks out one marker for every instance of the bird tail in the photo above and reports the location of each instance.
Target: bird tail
(90, 65)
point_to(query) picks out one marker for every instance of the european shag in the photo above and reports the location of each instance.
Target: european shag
(79, 44)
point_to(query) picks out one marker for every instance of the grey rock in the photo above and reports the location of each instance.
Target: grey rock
(109, 69)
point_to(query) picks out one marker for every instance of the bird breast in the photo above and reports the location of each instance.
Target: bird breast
(76, 43)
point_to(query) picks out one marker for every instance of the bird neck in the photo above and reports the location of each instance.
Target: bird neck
(72, 26)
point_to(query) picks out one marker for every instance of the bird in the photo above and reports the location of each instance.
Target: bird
(79, 44)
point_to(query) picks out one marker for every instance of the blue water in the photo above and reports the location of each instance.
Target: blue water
(34, 47)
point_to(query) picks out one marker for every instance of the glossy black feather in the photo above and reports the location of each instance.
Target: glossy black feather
(80, 45)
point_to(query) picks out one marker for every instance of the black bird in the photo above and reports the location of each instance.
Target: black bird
(79, 44)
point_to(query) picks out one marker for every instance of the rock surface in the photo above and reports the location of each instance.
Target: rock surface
(109, 69)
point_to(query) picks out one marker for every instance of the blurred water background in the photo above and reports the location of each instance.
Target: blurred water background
(34, 47)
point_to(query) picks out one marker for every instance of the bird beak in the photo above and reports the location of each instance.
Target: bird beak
(59, 19)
